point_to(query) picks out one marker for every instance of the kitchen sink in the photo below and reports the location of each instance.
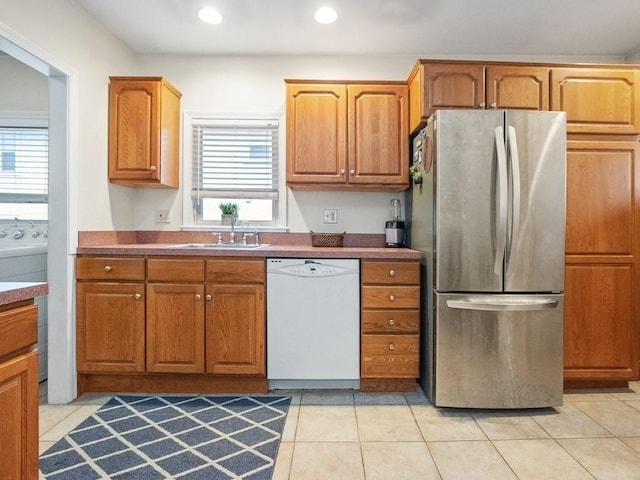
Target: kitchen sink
(221, 246)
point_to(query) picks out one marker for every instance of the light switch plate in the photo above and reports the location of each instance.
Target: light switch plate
(163, 215)
(330, 216)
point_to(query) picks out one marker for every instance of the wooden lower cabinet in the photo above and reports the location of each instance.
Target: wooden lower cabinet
(110, 327)
(390, 319)
(188, 325)
(175, 328)
(235, 329)
(19, 427)
(602, 327)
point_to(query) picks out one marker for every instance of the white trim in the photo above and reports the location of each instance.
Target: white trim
(63, 228)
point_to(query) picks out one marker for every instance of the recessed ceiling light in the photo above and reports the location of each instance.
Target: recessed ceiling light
(210, 15)
(325, 15)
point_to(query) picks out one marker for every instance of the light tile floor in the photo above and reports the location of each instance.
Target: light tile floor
(342, 435)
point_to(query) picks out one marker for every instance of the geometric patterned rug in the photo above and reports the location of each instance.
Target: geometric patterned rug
(172, 437)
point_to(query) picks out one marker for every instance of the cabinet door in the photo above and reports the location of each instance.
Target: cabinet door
(316, 133)
(19, 425)
(144, 132)
(597, 100)
(235, 329)
(175, 328)
(378, 132)
(517, 87)
(602, 339)
(452, 86)
(110, 327)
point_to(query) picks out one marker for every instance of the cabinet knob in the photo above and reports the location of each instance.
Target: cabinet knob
(208, 297)
(494, 105)
(342, 171)
(198, 297)
(392, 346)
(137, 296)
(152, 168)
(392, 297)
(482, 105)
(392, 322)
(352, 172)
(107, 268)
(392, 273)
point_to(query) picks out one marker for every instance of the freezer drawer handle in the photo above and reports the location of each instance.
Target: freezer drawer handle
(502, 306)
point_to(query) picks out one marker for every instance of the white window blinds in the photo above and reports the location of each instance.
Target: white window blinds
(235, 159)
(24, 158)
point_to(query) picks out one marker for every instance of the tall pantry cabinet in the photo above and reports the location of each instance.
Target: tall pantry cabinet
(602, 340)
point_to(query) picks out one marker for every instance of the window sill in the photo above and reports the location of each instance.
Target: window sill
(239, 228)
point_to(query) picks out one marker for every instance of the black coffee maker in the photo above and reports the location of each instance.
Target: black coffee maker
(394, 228)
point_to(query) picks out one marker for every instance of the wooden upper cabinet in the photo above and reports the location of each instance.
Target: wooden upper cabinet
(521, 87)
(436, 85)
(316, 133)
(347, 136)
(597, 100)
(144, 132)
(378, 133)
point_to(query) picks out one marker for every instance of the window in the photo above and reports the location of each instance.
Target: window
(235, 160)
(24, 159)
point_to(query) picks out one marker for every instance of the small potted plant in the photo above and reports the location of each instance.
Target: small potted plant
(416, 173)
(229, 213)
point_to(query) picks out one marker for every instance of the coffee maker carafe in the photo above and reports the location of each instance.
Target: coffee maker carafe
(394, 228)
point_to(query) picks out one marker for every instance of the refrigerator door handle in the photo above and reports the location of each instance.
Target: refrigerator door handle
(501, 214)
(515, 181)
(502, 306)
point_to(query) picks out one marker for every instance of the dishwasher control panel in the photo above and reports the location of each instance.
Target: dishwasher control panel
(312, 268)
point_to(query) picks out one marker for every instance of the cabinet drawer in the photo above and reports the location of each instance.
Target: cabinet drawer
(175, 270)
(395, 273)
(109, 268)
(390, 321)
(390, 297)
(235, 271)
(390, 356)
(18, 329)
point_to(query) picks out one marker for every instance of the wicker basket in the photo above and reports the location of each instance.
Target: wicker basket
(327, 239)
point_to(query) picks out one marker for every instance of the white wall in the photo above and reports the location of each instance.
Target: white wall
(21, 87)
(633, 57)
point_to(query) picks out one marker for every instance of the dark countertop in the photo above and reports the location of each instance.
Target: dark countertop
(11, 292)
(279, 251)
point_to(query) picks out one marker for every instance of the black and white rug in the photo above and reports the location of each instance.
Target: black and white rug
(177, 437)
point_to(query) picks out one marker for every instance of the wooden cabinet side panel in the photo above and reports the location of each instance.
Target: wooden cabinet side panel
(519, 87)
(110, 327)
(175, 328)
(316, 133)
(235, 330)
(601, 197)
(169, 137)
(377, 132)
(600, 339)
(19, 427)
(597, 100)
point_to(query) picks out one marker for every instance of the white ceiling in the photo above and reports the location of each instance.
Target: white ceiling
(381, 27)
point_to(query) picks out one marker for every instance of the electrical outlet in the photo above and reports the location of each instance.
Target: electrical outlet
(163, 216)
(330, 216)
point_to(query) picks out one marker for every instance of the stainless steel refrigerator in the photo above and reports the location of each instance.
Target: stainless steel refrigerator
(489, 217)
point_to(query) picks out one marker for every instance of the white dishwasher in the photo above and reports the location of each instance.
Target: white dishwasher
(313, 323)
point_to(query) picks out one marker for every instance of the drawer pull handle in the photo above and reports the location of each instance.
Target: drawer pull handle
(137, 296)
(392, 346)
(392, 322)
(198, 297)
(107, 268)
(392, 297)
(208, 297)
(392, 273)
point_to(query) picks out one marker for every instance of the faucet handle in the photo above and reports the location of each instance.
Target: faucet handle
(219, 235)
(257, 237)
(246, 235)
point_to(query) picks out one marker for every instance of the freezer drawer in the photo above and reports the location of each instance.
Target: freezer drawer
(498, 351)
